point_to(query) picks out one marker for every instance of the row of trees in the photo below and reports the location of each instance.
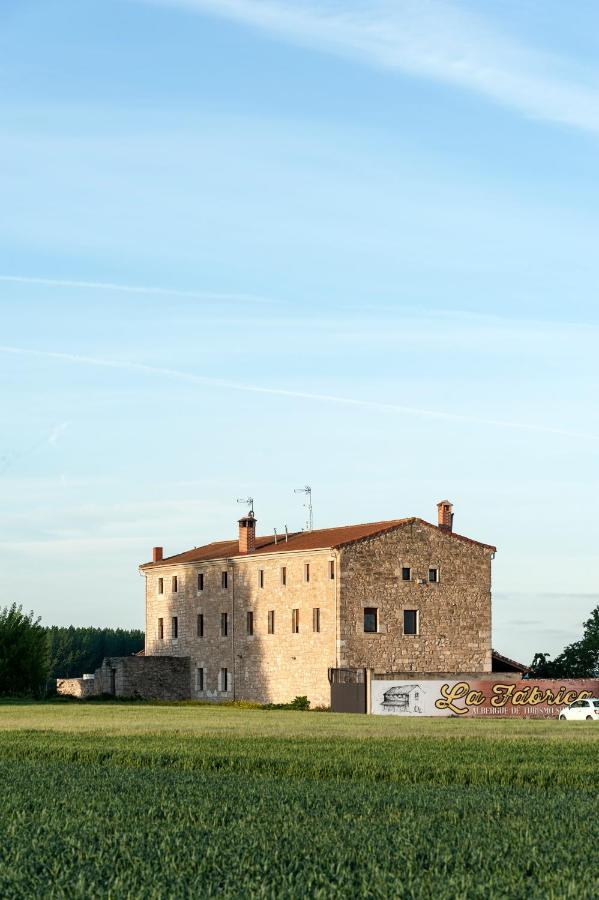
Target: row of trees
(31, 655)
(577, 660)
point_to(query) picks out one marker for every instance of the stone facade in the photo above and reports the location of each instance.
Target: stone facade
(226, 661)
(266, 667)
(453, 613)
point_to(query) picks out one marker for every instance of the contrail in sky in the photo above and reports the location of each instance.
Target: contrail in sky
(51, 439)
(300, 395)
(134, 289)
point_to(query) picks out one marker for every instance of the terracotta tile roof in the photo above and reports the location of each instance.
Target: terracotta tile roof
(322, 539)
(505, 664)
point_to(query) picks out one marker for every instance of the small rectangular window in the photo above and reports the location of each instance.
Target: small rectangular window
(261, 578)
(161, 585)
(406, 573)
(371, 619)
(174, 584)
(224, 624)
(295, 621)
(284, 575)
(316, 619)
(410, 621)
(160, 629)
(224, 679)
(175, 628)
(224, 580)
(200, 581)
(433, 575)
(307, 572)
(200, 624)
(250, 622)
(199, 679)
(332, 570)
(271, 621)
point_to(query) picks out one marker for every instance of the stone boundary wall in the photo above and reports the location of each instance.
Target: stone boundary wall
(75, 687)
(144, 677)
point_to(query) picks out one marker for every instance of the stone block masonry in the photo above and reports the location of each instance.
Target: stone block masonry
(144, 678)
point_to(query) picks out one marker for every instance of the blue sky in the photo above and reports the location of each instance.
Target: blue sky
(246, 246)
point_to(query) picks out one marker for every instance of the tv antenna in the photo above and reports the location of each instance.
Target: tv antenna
(249, 501)
(307, 490)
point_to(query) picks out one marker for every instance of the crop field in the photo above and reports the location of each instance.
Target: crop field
(133, 800)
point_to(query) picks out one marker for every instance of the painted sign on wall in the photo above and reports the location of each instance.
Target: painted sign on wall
(479, 697)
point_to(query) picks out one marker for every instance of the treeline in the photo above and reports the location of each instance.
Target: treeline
(73, 651)
(577, 660)
(33, 656)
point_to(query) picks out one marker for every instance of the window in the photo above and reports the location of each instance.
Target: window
(316, 619)
(174, 584)
(295, 621)
(284, 575)
(160, 629)
(224, 580)
(224, 624)
(175, 628)
(433, 575)
(271, 621)
(307, 572)
(161, 585)
(406, 573)
(200, 581)
(371, 619)
(199, 679)
(200, 624)
(332, 570)
(261, 578)
(250, 622)
(224, 679)
(410, 621)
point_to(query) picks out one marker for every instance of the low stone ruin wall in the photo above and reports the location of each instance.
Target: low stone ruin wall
(145, 677)
(75, 687)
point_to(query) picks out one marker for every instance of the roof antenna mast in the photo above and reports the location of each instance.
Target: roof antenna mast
(307, 490)
(249, 501)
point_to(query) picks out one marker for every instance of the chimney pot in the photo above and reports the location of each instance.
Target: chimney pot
(247, 534)
(445, 515)
(157, 554)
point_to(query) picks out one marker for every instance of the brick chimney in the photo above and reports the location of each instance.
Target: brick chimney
(247, 533)
(445, 515)
(157, 554)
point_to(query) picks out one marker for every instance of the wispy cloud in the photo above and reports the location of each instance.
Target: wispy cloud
(50, 439)
(191, 378)
(135, 289)
(427, 39)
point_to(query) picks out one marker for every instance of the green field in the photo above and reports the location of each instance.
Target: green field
(134, 800)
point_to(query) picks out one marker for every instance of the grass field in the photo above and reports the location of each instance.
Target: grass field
(132, 800)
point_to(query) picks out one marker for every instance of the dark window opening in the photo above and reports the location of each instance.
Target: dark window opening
(160, 629)
(371, 616)
(175, 628)
(200, 581)
(200, 625)
(433, 575)
(332, 569)
(261, 578)
(284, 576)
(250, 622)
(406, 573)
(200, 680)
(224, 580)
(295, 621)
(410, 621)
(307, 572)
(316, 619)
(271, 621)
(161, 585)
(174, 584)
(224, 679)
(224, 624)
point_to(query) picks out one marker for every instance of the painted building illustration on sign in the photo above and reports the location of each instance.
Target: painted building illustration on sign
(404, 698)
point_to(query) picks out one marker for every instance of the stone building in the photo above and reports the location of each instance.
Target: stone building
(265, 618)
